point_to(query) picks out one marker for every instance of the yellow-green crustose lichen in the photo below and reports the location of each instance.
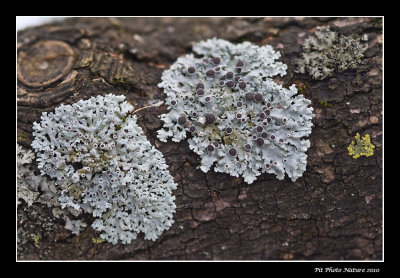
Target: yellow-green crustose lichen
(325, 104)
(97, 240)
(36, 238)
(359, 147)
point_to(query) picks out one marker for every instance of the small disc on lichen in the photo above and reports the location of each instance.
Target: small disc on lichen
(44, 63)
(210, 118)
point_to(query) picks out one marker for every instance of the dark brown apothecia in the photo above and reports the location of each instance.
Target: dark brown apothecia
(232, 152)
(210, 118)
(44, 63)
(258, 97)
(182, 120)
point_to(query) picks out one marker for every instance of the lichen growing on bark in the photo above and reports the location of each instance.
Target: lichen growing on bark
(104, 165)
(26, 182)
(239, 119)
(327, 52)
(361, 147)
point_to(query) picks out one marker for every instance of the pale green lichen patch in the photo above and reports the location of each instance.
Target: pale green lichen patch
(327, 52)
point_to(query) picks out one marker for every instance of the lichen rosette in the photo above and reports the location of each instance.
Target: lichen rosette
(236, 116)
(326, 53)
(104, 165)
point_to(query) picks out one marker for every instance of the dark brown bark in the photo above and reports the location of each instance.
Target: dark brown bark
(333, 212)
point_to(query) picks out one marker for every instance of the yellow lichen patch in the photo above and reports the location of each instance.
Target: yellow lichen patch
(36, 238)
(302, 88)
(359, 147)
(325, 104)
(97, 240)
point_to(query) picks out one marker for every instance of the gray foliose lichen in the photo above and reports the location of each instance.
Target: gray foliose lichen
(236, 116)
(102, 164)
(27, 182)
(327, 52)
(35, 188)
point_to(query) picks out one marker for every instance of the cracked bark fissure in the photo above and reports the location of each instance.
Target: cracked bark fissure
(333, 212)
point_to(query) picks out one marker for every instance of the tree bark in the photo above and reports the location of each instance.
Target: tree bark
(334, 212)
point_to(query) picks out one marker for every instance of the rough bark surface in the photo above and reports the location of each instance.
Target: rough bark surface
(334, 212)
